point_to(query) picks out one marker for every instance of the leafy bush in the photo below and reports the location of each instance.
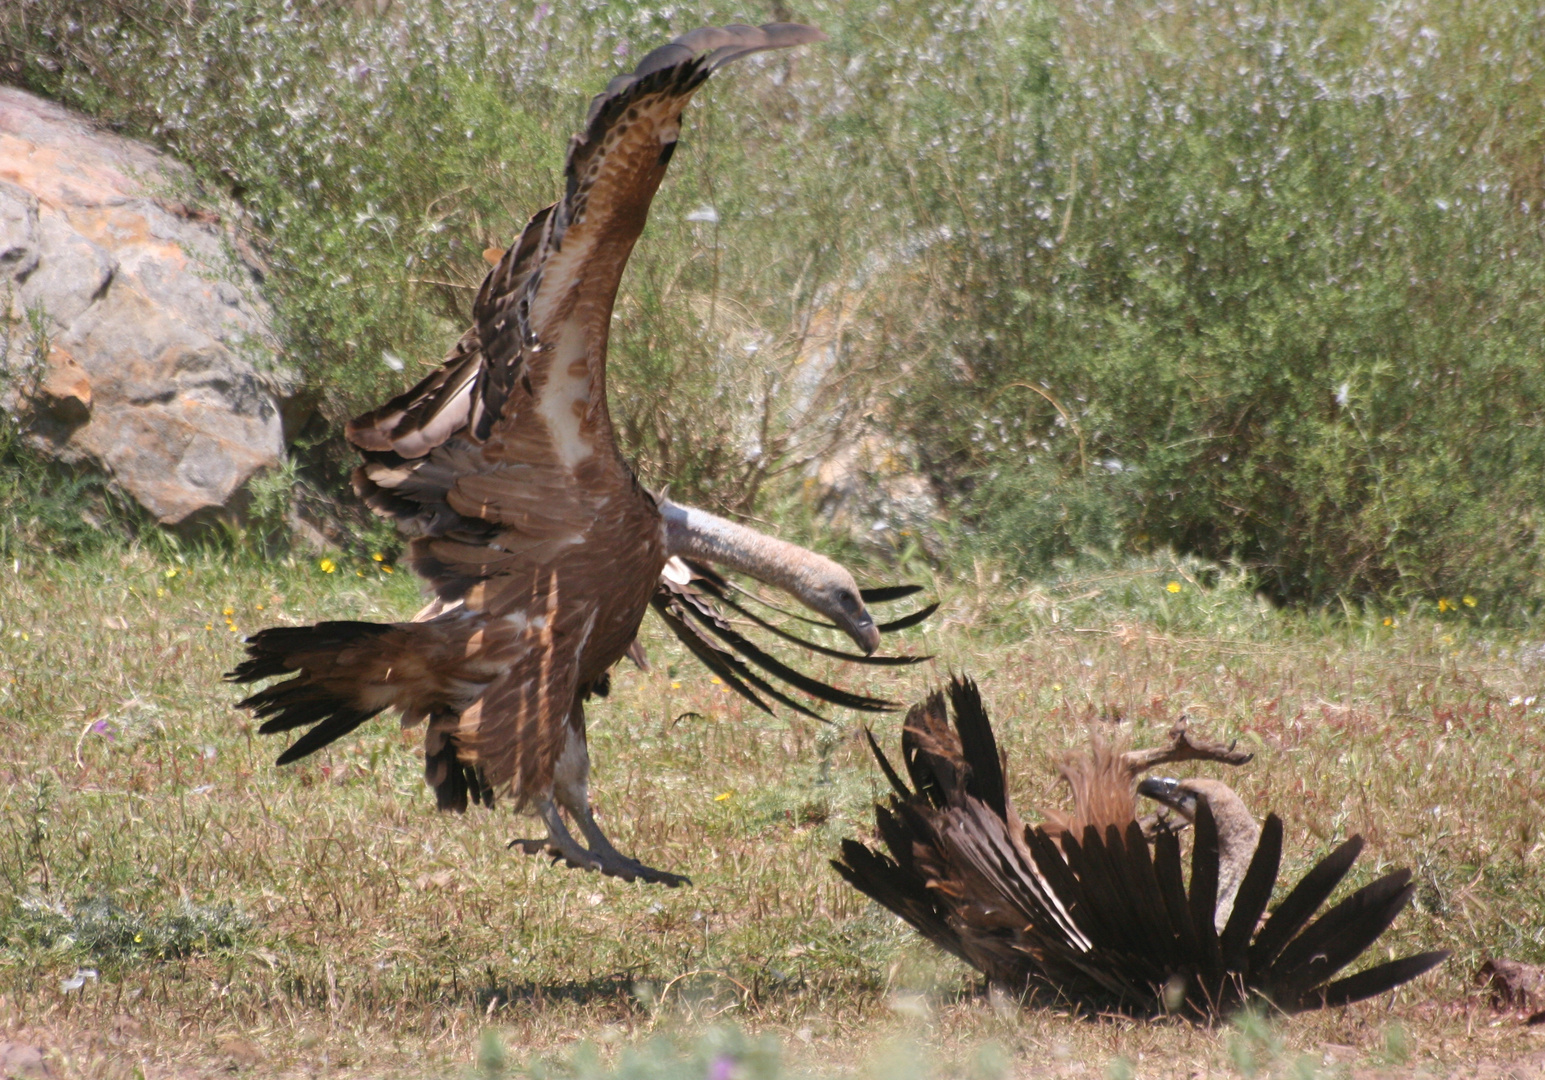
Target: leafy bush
(1239, 279)
(1262, 284)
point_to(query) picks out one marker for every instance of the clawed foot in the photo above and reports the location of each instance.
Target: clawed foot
(620, 866)
(560, 844)
(612, 864)
(545, 846)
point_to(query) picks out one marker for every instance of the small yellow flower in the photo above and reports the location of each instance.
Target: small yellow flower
(1468, 601)
(160, 592)
(1388, 621)
(327, 566)
(714, 679)
(378, 557)
(1173, 586)
(722, 796)
(675, 686)
(209, 626)
(260, 607)
(1056, 687)
(387, 570)
(359, 573)
(171, 573)
(228, 612)
(1444, 604)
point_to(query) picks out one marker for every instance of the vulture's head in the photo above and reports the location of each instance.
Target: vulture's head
(837, 598)
(1182, 796)
(1228, 809)
(1238, 832)
(822, 585)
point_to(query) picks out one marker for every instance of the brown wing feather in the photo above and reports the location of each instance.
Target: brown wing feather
(557, 282)
(516, 730)
(503, 464)
(549, 333)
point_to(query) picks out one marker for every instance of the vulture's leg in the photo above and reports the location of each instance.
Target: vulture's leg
(571, 788)
(1183, 746)
(613, 862)
(571, 791)
(559, 842)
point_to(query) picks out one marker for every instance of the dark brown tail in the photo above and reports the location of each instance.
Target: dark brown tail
(343, 673)
(1103, 921)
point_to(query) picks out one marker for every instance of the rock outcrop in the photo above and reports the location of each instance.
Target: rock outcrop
(133, 339)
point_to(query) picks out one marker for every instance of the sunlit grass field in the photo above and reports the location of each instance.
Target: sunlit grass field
(174, 905)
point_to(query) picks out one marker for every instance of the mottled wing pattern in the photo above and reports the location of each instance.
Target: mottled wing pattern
(515, 731)
(612, 172)
(416, 446)
(545, 329)
(504, 460)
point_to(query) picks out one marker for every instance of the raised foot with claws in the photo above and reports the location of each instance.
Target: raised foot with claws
(561, 844)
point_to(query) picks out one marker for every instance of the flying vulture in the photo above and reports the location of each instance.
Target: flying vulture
(542, 549)
(1083, 913)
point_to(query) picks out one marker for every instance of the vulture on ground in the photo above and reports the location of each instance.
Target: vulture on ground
(1083, 912)
(542, 549)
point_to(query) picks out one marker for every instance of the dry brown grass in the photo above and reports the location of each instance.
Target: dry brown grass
(382, 939)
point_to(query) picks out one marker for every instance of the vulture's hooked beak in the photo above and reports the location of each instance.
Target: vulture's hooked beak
(863, 631)
(1167, 791)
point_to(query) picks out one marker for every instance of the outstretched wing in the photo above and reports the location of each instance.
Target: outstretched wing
(479, 461)
(549, 323)
(691, 599)
(504, 461)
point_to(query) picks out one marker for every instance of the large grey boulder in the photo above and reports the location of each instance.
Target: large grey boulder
(132, 338)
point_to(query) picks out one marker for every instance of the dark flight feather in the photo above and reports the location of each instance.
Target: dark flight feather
(689, 611)
(1099, 922)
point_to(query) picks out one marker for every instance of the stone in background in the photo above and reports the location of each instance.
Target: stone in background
(156, 362)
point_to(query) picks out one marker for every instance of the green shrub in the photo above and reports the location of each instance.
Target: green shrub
(1255, 282)
(101, 930)
(1238, 280)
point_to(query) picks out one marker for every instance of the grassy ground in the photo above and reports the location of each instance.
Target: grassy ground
(176, 906)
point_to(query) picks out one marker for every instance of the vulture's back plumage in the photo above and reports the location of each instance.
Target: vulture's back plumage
(1096, 918)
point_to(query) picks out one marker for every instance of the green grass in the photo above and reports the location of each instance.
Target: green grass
(327, 916)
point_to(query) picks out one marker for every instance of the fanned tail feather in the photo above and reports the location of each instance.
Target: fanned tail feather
(1101, 921)
(342, 674)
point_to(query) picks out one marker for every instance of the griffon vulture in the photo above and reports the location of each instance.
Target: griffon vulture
(542, 549)
(1083, 912)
